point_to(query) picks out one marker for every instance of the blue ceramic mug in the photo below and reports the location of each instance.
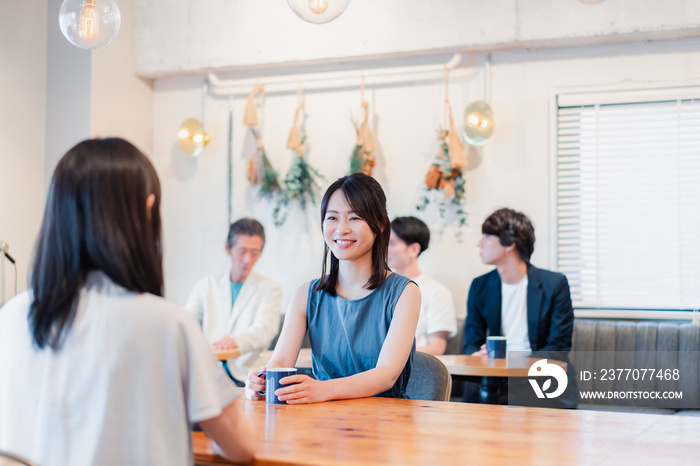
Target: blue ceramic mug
(496, 347)
(273, 375)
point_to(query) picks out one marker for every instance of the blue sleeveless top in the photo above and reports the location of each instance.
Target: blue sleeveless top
(347, 336)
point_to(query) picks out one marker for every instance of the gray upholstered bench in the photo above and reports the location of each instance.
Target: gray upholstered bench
(644, 344)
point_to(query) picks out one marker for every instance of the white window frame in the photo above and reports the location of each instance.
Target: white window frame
(626, 93)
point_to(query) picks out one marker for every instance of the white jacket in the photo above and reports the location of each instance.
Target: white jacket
(253, 322)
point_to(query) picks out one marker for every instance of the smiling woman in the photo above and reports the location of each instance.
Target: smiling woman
(361, 318)
(347, 234)
(360, 201)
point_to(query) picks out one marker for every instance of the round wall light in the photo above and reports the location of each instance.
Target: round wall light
(191, 137)
(478, 123)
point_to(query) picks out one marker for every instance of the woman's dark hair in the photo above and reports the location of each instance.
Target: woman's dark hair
(95, 219)
(366, 198)
(512, 227)
(412, 230)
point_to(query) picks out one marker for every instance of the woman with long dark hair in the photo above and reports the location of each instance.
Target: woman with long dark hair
(361, 318)
(95, 366)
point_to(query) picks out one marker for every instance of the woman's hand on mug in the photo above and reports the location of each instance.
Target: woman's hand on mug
(303, 389)
(255, 384)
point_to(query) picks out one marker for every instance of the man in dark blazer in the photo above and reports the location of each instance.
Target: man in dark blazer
(550, 317)
(531, 307)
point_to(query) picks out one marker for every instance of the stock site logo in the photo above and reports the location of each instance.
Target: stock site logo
(540, 369)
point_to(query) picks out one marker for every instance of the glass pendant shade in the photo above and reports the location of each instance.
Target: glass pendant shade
(318, 11)
(478, 123)
(191, 137)
(89, 24)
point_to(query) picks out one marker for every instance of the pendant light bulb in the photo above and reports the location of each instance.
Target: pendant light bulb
(318, 11)
(89, 24)
(88, 21)
(318, 6)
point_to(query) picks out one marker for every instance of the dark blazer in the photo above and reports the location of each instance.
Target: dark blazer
(550, 316)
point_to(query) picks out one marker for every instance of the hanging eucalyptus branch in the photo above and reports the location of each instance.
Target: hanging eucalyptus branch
(301, 180)
(260, 171)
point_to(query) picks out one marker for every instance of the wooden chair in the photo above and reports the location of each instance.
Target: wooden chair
(10, 459)
(430, 379)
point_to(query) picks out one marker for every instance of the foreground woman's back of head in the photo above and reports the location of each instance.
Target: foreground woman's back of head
(96, 218)
(95, 366)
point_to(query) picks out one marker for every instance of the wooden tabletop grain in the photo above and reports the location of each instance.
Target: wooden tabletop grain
(381, 431)
(224, 354)
(482, 366)
(457, 364)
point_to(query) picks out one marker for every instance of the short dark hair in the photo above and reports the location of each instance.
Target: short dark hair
(512, 227)
(411, 231)
(245, 226)
(366, 198)
(95, 219)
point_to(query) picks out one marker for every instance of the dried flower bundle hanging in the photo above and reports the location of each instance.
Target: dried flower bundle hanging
(362, 158)
(445, 173)
(301, 179)
(260, 171)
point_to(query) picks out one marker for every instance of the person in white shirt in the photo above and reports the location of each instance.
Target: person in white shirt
(437, 322)
(239, 308)
(95, 366)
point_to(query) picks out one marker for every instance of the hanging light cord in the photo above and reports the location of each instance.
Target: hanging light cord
(445, 116)
(487, 78)
(229, 166)
(15, 266)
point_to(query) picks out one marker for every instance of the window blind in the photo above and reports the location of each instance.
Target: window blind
(628, 204)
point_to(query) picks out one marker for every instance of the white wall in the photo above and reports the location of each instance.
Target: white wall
(53, 95)
(67, 81)
(511, 170)
(240, 39)
(196, 35)
(121, 103)
(22, 100)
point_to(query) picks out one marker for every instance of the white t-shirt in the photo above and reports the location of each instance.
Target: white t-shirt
(131, 377)
(514, 315)
(437, 312)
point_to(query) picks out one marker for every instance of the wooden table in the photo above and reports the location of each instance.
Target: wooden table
(381, 431)
(479, 369)
(489, 372)
(481, 366)
(457, 364)
(223, 355)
